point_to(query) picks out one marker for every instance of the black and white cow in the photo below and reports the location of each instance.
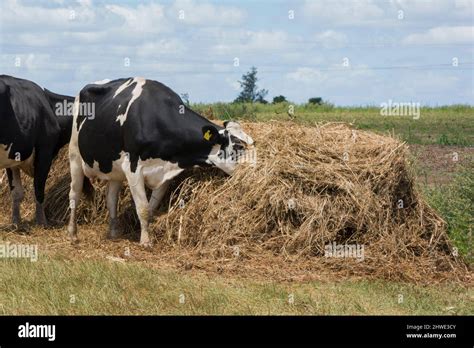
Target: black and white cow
(142, 133)
(31, 134)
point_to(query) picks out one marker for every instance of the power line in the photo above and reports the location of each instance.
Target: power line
(216, 66)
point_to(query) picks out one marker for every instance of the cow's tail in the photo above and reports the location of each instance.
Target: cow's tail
(87, 189)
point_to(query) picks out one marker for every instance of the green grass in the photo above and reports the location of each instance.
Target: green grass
(455, 203)
(103, 287)
(446, 125)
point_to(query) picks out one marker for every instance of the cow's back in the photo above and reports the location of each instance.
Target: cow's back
(28, 102)
(27, 120)
(131, 115)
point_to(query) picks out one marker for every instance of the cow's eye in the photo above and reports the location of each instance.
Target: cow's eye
(239, 147)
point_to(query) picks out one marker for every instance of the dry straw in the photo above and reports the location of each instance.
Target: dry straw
(311, 186)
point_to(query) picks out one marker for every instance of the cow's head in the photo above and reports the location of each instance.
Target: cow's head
(231, 146)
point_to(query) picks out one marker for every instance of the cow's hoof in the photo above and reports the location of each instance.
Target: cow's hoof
(114, 235)
(115, 230)
(22, 227)
(14, 227)
(146, 244)
(54, 224)
(72, 234)
(41, 220)
(45, 225)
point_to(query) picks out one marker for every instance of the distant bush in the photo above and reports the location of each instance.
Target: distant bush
(317, 101)
(323, 107)
(279, 99)
(228, 111)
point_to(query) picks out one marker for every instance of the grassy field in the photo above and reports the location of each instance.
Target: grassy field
(56, 285)
(450, 125)
(59, 286)
(455, 202)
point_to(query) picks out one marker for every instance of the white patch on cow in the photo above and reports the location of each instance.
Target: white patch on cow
(102, 82)
(136, 92)
(75, 115)
(6, 162)
(213, 158)
(155, 172)
(236, 130)
(116, 174)
(28, 165)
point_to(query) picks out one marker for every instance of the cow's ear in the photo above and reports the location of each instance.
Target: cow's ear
(211, 134)
(231, 123)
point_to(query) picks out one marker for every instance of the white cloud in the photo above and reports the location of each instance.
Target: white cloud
(331, 39)
(254, 42)
(442, 35)
(160, 47)
(206, 14)
(417, 9)
(148, 18)
(335, 76)
(386, 13)
(263, 40)
(344, 11)
(306, 75)
(15, 15)
(234, 84)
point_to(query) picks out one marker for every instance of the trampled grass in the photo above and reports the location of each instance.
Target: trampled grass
(58, 286)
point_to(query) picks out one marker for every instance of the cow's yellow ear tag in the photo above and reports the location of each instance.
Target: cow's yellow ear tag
(207, 135)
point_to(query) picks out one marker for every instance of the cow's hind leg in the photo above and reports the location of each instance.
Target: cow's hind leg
(113, 191)
(17, 192)
(42, 165)
(77, 183)
(137, 187)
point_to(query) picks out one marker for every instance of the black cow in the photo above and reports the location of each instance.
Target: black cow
(31, 134)
(140, 131)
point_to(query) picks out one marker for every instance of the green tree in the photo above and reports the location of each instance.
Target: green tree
(250, 92)
(279, 99)
(185, 97)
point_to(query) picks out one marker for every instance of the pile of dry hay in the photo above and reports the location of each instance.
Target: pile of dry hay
(311, 186)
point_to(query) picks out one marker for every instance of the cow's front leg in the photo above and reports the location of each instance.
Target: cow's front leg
(156, 198)
(137, 187)
(17, 192)
(113, 191)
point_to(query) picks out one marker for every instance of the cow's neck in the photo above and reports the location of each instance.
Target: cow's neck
(196, 150)
(199, 120)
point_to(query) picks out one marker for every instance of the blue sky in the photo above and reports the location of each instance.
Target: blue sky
(400, 50)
